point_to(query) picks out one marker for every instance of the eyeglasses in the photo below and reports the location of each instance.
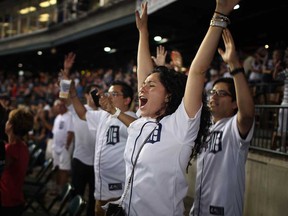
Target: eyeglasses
(220, 93)
(113, 94)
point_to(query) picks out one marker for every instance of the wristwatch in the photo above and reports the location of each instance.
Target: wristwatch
(117, 113)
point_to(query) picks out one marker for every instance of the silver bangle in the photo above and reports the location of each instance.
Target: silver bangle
(221, 18)
(218, 23)
(117, 113)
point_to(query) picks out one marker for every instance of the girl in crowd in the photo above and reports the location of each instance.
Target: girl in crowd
(19, 123)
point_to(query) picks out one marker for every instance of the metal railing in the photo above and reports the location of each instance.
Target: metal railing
(270, 134)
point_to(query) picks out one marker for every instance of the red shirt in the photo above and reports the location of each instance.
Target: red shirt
(12, 180)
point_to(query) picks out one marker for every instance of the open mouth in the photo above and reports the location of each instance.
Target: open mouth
(142, 101)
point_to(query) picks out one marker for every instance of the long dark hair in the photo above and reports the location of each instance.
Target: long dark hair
(175, 83)
(203, 133)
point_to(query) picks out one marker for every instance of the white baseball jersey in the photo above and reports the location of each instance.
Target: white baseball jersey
(109, 165)
(159, 183)
(220, 180)
(61, 126)
(84, 138)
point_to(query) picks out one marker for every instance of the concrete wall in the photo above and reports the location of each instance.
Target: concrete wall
(266, 185)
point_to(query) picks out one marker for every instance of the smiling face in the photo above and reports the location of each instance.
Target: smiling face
(221, 106)
(152, 97)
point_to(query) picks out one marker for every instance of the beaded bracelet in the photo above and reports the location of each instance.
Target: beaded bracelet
(237, 70)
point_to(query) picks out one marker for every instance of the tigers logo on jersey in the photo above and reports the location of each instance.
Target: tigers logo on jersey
(215, 142)
(113, 135)
(156, 135)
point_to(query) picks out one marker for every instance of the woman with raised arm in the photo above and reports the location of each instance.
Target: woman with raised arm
(173, 115)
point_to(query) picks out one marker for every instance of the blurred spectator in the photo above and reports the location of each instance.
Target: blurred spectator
(40, 132)
(224, 70)
(268, 69)
(3, 137)
(83, 154)
(253, 65)
(20, 121)
(62, 144)
(281, 73)
(4, 110)
(84, 149)
(214, 75)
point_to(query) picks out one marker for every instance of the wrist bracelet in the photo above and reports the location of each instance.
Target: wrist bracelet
(237, 70)
(220, 14)
(117, 113)
(218, 23)
(222, 19)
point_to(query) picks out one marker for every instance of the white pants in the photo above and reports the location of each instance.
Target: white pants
(62, 159)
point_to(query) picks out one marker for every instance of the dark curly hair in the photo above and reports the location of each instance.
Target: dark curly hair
(203, 133)
(175, 83)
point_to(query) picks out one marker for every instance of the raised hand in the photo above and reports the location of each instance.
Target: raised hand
(68, 63)
(106, 103)
(144, 61)
(160, 58)
(229, 55)
(177, 61)
(141, 20)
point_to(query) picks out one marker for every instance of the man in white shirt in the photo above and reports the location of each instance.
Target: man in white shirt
(111, 133)
(220, 179)
(63, 136)
(83, 154)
